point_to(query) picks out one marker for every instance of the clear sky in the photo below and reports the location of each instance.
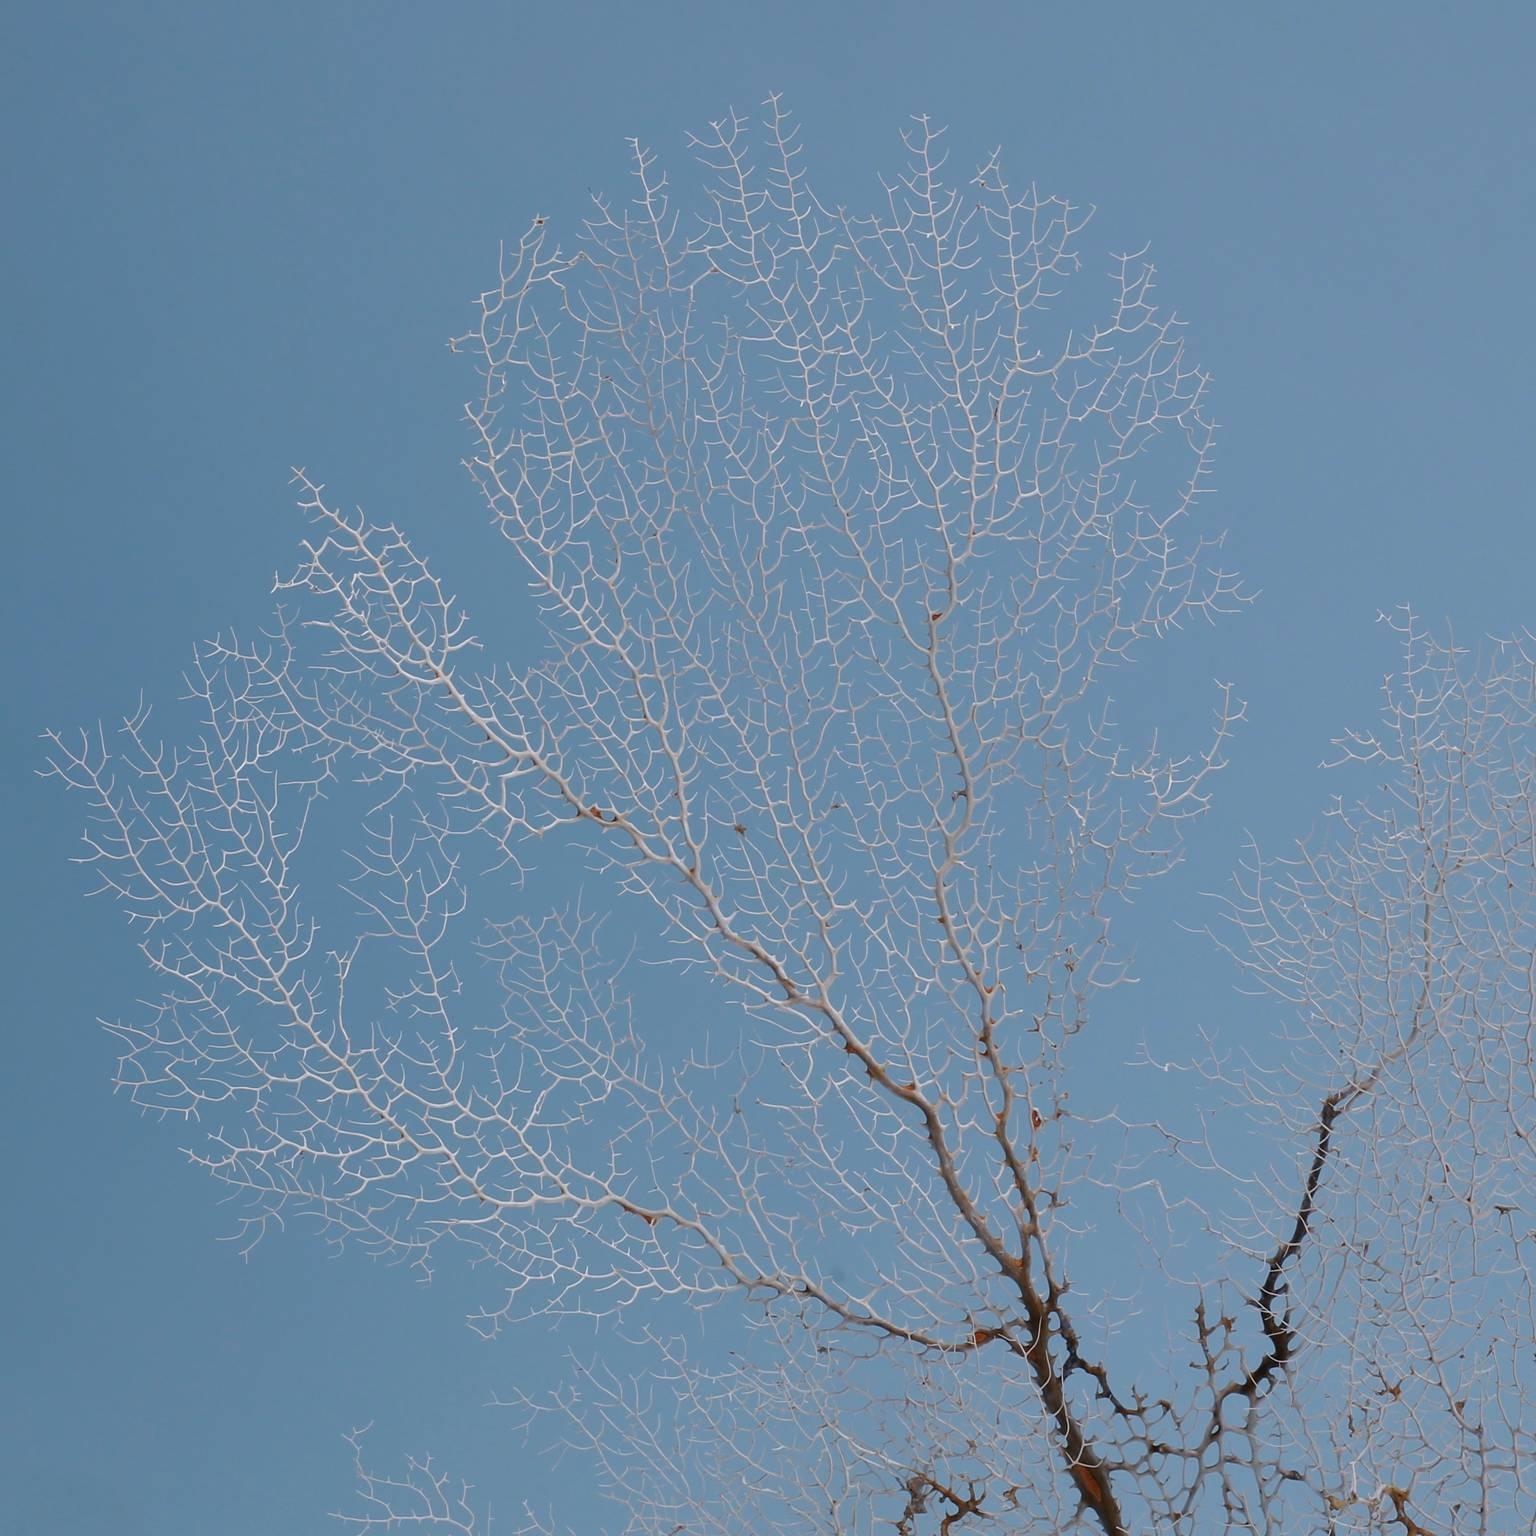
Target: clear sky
(238, 237)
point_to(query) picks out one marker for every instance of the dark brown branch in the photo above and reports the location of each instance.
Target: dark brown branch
(1278, 1332)
(1086, 1467)
(1400, 1515)
(918, 1488)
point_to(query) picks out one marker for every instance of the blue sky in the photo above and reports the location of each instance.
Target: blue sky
(239, 237)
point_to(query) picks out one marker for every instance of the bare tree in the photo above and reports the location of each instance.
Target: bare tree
(843, 543)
